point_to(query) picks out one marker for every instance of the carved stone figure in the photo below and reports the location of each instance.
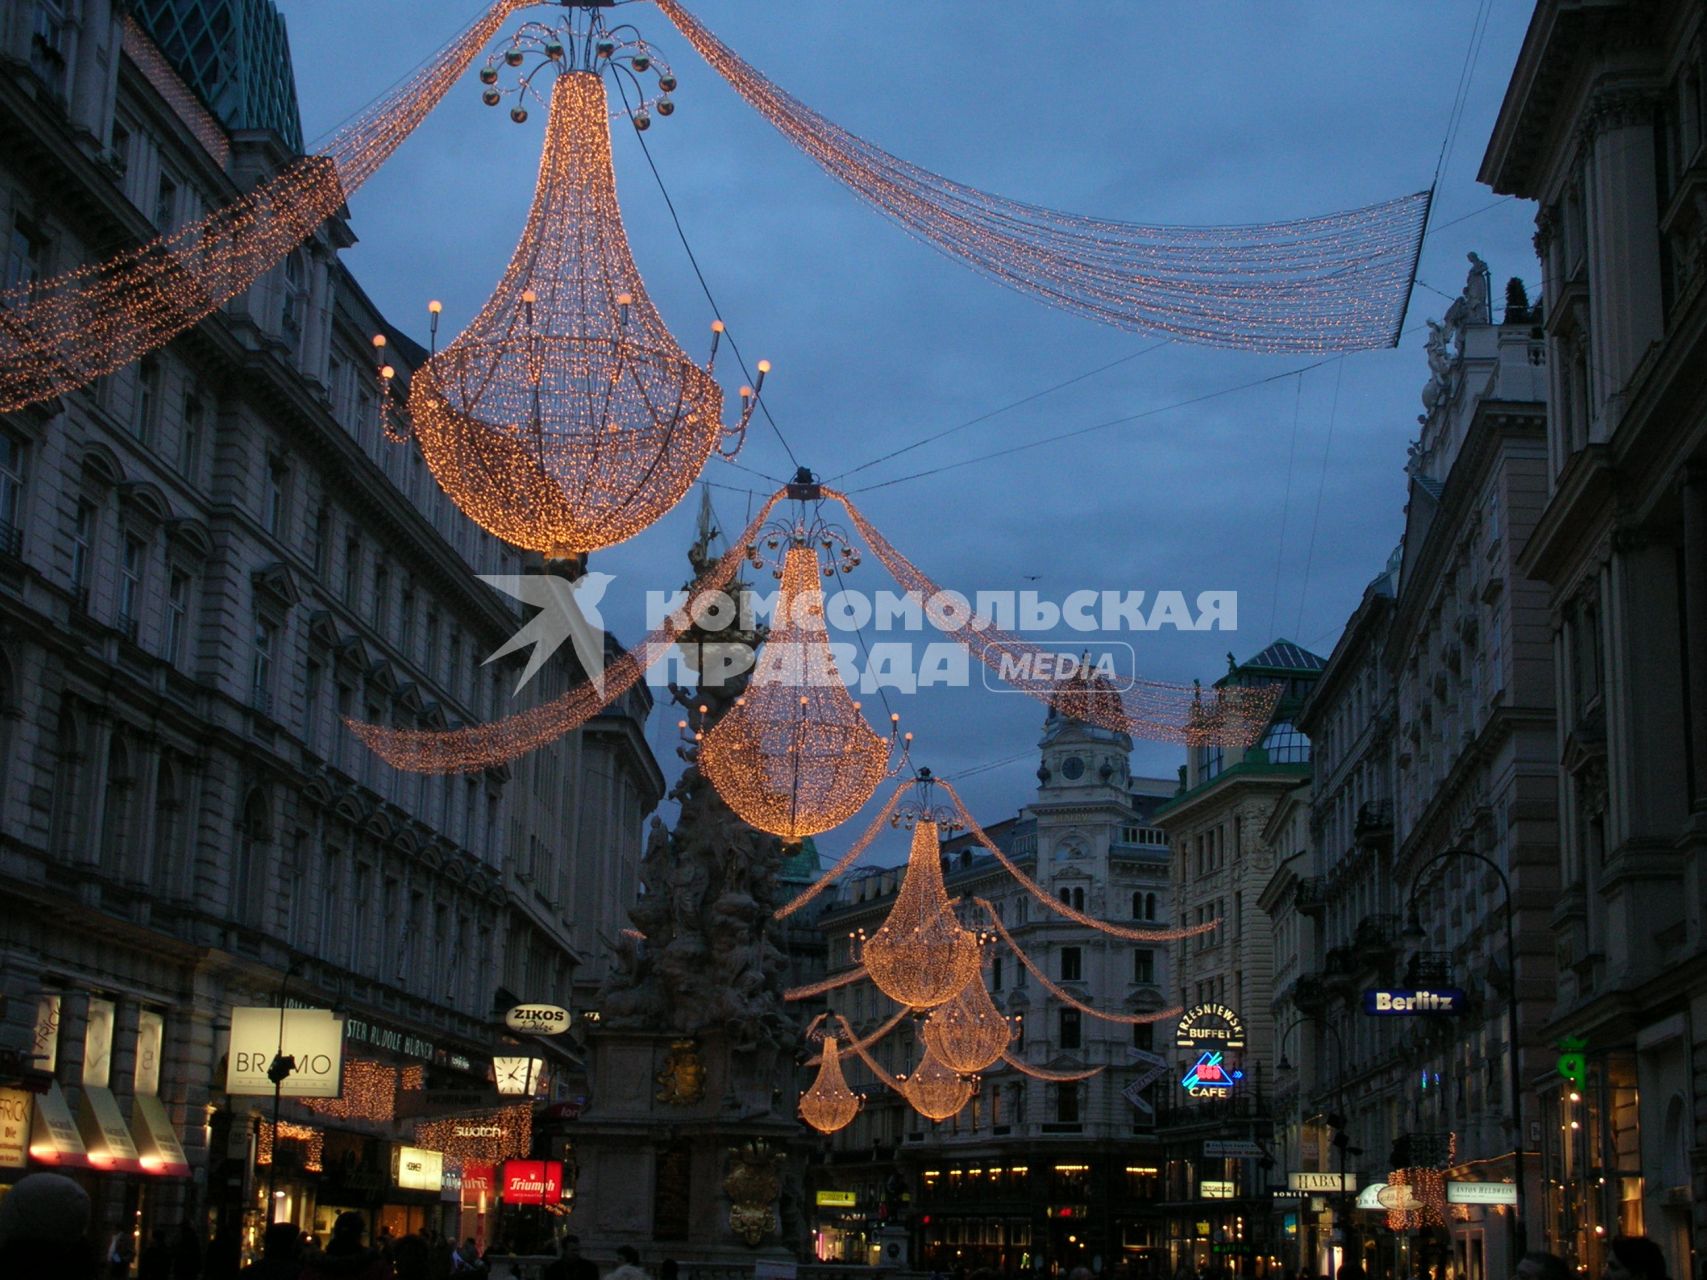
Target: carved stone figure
(753, 1183)
(682, 1081)
(1478, 308)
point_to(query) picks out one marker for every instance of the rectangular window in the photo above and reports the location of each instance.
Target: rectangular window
(1143, 965)
(261, 684)
(431, 662)
(166, 203)
(147, 408)
(11, 495)
(177, 615)
(26, 249)
(996, 974)
(1071, 1029)
(82, 552)
(130, 585)
(1072, 964)
(50, 46)
(190, 439)
(321, 538)
(1067, 1104)
(381, 598)
(1144, 1035)
(406, 623)
(277, 477)
(352, 570)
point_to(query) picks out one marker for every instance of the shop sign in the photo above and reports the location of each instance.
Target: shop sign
(533, 1181)
(1068, 1211)
(1399, 1197)
(1481, 1193)
(314, 1037)
(1311, 1181)
(537, 1020)
(1215, 1190)
(419, 1169)
(1231, 1150)
(98, 1044)
(1370, 1196)
(53, 1133)
(157, 1143)
(1209, 1077)
(478, 1180)
(838, 1199)
(47, 1033)
(16, 1108)
(1573, 1064)
(1210, 1024)
(1439, 1000)
(403, 1042)
(150, 1032)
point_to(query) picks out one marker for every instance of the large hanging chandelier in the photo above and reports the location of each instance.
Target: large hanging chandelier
(968, 1033)
(935, 1090)
(922, 955)
(565, 418)
(829, 1104)
(794, 757)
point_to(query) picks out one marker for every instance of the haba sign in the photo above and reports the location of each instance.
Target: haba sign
(1210, 1024)
(1210, 1077)
(533, 1181)
(1298, 1180)
(537, 1020)
(1440, 1001)
(314, 1037)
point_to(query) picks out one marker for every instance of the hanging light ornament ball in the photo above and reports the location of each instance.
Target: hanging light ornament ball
(922, 955)
(566, 418)
(829, 1104)
(968, 1033)
(935, 1090)
(794, 756)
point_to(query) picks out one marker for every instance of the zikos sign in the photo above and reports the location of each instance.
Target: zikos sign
(537, 1020)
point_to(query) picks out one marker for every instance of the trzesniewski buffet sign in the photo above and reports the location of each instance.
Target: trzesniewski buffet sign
(1208, 1024)
(1440, 1000)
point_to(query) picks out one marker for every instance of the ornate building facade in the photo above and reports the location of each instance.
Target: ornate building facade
(208, 560)
(1604, 123)
(1029, 1173)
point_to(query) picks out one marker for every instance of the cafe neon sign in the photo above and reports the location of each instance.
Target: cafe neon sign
(1210, 1077)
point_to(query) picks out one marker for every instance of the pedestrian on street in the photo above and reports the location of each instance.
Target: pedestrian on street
(44, 1229)
(569, 1264)
(439, 1262)
(119, 1253)
(279, 1259)
(628, 1265)
(346, 1258)
(466, 1260)
(411, 1258)
(1634, 1258)
(156, 1260)
(1542, 1266)
(186, 1254)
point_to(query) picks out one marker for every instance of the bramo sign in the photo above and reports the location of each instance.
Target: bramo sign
(314, 1037)
(537, 1020)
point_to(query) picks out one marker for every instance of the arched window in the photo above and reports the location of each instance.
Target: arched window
(1078, 899)
(249, 874)
(116, 824)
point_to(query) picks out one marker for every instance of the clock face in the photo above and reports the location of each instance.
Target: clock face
(1072, 767)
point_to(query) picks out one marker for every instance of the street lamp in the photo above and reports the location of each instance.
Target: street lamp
(278, 1070)
(1336, 1118)
(1414, 933)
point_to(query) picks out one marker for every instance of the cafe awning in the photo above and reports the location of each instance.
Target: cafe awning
(105, 1134)
(54, 1139)
(157, 1142)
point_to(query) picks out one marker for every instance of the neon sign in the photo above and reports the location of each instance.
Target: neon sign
(1210, 1077)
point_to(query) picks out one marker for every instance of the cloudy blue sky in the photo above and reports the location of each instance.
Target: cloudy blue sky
(1289, 491)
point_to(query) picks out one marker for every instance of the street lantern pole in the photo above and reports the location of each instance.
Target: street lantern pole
(1342, 1211)
(1519, 1221)
(278, 1070)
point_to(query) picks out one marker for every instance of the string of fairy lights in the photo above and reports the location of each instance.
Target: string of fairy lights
(60, 333)
(1335, 282)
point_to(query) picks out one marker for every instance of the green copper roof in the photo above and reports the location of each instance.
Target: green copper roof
(801, 866)
(234, 55)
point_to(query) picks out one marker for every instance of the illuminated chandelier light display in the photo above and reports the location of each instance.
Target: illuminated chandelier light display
(1338, 282)
(565, 418)
(968, 1033)
(61, 333)
(922, 955)
(483, 746)
(935, 1090)
(793, 756)
(829, 1104)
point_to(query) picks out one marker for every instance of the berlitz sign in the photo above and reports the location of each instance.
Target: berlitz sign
(1446, 1000)
(537, 1020)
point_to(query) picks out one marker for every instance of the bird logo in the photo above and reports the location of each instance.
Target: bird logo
(567, 611)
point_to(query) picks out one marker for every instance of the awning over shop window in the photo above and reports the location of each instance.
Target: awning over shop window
(157, 1143)
(54, 1138)
(105, 1134)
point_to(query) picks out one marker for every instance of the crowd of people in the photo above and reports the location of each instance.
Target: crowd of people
(45, 1234)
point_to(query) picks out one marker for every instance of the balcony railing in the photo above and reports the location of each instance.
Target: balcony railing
(11, 540)
(1374, 825)
(1429, 967)
(1311, 896)
(1378, 932)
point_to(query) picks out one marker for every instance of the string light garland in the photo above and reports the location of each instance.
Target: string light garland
(858, 847)
(1234, 715)
(484, 746)
(313, 1139)
(1052, 1077)
(864, 1042)
(829, 1104)
(61, 333)
(796, 994)
(498, 1134)
(1046, 899)
(1061, 993)
(1338, 282)
(369, 1093)
(565, 418)
(793, 756)
(921, 955)
(968, 1033)
(935, 1090)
